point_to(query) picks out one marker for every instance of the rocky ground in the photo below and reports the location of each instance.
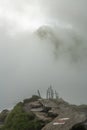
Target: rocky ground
(55, 110)
(57, 114)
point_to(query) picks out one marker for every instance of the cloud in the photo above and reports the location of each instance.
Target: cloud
(27, 63)
(20, 15)
(66, 42)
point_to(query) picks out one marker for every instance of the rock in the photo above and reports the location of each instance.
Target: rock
(32, 105)
(80, 126)
(52, 114)
(46, 109)
(72, 117)
(55, 114)
(3, 115)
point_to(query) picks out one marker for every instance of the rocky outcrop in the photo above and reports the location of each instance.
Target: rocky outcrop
(42, 109)
(80, 126)
(66, 120)
(52, 114)
(3, 115)
(68, 116)
(60, 114)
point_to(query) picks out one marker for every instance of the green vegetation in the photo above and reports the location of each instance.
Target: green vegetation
(3, 115)
(18, 119)
(32, 99)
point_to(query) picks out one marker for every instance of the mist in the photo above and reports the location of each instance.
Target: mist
(43, 42)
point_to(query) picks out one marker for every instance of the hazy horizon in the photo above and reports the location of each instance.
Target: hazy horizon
(43, 42)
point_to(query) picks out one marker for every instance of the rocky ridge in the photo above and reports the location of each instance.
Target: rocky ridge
(56, 114)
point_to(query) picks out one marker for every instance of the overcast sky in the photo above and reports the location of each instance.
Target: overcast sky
(29, 62)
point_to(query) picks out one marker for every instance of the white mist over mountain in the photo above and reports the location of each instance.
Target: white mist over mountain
(43, 42)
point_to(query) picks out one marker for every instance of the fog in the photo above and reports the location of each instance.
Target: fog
(43, 43)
